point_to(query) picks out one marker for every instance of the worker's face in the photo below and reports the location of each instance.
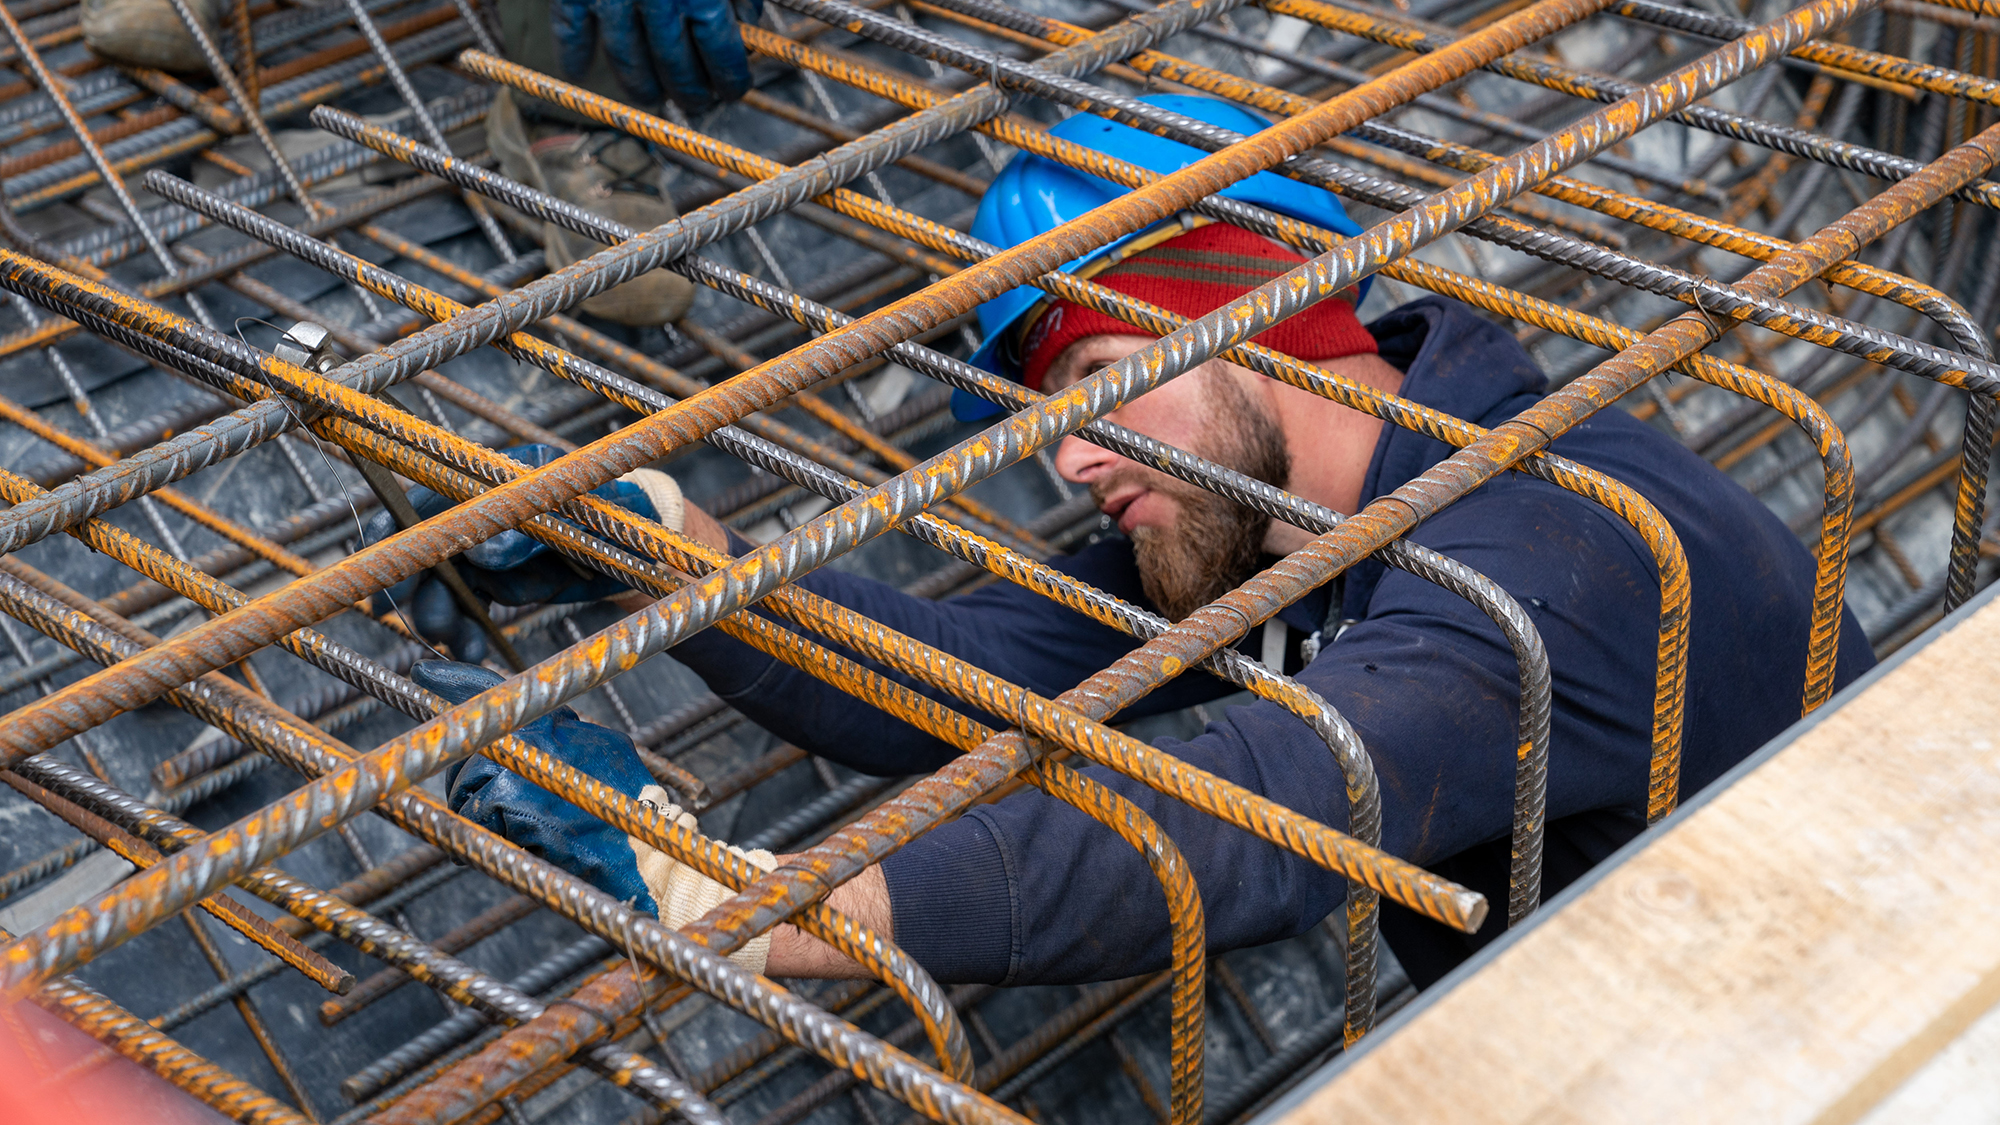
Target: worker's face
(1192, 545)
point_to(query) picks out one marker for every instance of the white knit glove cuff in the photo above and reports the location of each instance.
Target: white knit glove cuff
(665, 495)
(684, 894)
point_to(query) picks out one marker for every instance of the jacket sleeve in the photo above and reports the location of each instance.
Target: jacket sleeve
(1004, 629)
(1031, 891)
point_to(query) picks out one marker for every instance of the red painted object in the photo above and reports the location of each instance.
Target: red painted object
(47, 1078)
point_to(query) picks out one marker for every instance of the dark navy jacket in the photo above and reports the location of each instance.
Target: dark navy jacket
(1031, 891)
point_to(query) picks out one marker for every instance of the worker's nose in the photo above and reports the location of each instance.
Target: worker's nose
(1081, 462)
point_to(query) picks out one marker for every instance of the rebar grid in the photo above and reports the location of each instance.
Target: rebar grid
(1583, 172)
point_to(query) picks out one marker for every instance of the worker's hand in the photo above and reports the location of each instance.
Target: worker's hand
(510, 805)
(692, 47)
(684, 895)
(626, 868)
(512, 568)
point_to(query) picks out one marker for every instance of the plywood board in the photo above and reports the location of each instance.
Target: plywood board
(1796, 949)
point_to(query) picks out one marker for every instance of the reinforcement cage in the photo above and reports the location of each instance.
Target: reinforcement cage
(1638, 190)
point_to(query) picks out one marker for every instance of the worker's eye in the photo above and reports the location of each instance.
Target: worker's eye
(1058, 383)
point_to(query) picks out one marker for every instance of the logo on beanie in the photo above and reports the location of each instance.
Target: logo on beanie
(1044, 327)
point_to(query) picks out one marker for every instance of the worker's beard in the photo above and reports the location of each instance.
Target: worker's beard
(1214, 544)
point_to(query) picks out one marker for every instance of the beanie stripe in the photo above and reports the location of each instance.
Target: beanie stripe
(1193, 275)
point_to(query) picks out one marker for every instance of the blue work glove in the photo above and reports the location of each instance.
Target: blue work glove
(531, 817)
(512, 568)
(504, 802)
(691, 47)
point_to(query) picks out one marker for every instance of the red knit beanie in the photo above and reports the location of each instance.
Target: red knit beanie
(1193, 275)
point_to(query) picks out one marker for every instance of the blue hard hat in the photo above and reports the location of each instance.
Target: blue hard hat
(1033, 195)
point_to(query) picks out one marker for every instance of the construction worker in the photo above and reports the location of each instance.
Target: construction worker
(639, 51)
(1030, 890)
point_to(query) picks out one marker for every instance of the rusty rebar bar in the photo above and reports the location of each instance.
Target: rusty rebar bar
(1604, 253)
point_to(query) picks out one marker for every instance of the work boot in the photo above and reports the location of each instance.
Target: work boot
(146, 33)
(607, 174)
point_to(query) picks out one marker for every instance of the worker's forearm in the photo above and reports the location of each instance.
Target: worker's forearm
(803, 709)
(795, 954)
(703, 529)
(865, 898)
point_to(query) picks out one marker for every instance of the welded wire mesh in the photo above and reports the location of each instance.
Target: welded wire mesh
(1619, 184)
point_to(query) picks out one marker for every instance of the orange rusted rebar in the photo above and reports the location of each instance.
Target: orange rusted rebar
(888, 191)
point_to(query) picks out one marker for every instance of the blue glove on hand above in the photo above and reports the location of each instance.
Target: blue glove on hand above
(691, 47)
(504, 802)
(511, 568)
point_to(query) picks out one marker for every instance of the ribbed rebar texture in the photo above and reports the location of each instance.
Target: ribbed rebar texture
(251, 309)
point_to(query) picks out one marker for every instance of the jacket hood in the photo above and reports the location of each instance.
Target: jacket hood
(1454, 361)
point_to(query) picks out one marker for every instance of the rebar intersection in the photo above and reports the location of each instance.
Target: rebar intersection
(830, 476)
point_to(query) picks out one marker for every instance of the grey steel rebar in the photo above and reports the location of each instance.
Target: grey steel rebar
(361, 672)
(425, 349)
(781, 454)
(84, 139)
(1340, 739)
(840, 799)
(415, 103)
(253, 114)
(95, 154)
(426, 1046)
(351, 925)
(1972, 371)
